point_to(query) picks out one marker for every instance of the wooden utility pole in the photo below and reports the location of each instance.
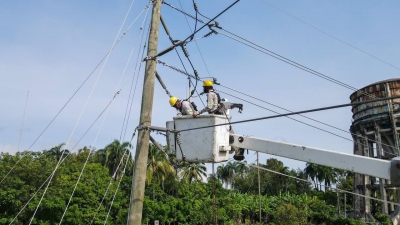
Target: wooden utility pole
(142, 147)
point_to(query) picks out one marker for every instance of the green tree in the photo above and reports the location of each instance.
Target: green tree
(111, 157)
(157, 166)
(288, 214)
(57, 152)
(193, 172)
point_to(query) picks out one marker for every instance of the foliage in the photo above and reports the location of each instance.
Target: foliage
(173, 195)
(382, 218)
(287, 214)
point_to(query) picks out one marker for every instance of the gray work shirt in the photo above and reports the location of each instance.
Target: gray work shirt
(186, 108)
(212, 102)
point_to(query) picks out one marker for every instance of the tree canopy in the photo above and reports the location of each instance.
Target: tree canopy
(173, 195)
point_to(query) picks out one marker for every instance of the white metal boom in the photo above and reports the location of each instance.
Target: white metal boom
(359, 164)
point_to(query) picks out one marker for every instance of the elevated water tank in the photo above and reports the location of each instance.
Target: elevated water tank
(385, 114)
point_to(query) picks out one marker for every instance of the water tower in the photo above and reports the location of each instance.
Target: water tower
(375, 129)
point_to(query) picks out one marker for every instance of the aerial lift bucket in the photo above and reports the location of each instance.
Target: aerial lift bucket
(205, 145)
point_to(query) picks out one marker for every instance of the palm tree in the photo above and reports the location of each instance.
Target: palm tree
(320, 174)
(158, 166)
(193, 172)
(57, 152)
(223, 175)
(231, 171)
(330, 176)
(112, 156)
(311, 172)
(240, 168)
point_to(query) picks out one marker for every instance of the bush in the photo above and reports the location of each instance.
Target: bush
(287, 214)
(383, 218)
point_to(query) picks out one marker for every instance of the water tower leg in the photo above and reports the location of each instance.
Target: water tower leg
(358, 180)
(382, 189)
(395, 216)
(367, 192)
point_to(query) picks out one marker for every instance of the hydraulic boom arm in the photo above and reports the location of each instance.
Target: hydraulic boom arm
(358, 164)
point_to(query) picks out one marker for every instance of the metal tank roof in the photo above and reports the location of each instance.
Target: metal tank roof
(368, 114)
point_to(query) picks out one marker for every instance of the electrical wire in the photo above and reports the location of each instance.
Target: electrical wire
(299, 115)
(63, 159)
(73, 95)
(180, 59)
(289, 114)
(126, 110)
(329, 35)
(134, 91)
(335, 81)
(23, 120)
(94, 142)
(116, 190)
(326, 186)
(122, 138)
(133, 77)
(90, 94)
(108, 188)
(183, 72)
(26, 204)
(198, 48)
(279, 57)
(19, 140)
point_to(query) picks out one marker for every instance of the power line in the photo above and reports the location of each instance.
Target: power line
(116, 190)
(62, 160)
(133, 78)
(73, 95)
(195, 40)
(93, 144)
(279, 57)
(195, 32)
(26, 204)
(19, 141)
(288, 117)
(111, 179)
(187, 74)
(303, 180)
(23, 120)
(329, 35)
(90, 94)
(289, 114)
(180, 59)
(134, 91)
(301, 116)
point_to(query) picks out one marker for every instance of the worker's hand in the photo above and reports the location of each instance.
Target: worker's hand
(195, 114)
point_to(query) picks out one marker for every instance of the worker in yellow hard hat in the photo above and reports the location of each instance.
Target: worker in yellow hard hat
(213, 99)
(184, 107)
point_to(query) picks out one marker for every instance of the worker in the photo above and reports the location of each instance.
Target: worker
(213, 100)
(184, 107)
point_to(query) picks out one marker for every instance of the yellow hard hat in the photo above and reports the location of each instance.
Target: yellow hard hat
(207, 83)
(173, 100)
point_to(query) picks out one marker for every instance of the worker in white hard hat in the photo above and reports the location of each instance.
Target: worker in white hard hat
(213, 99)
(184, 107)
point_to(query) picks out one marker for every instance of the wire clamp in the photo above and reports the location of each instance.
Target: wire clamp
(149, 58)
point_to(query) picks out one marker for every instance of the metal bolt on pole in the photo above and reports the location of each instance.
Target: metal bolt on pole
(142, 147)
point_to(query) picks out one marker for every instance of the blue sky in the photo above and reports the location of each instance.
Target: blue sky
(49, 47)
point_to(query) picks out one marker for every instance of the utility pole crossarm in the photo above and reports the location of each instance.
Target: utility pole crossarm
(359, 164)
